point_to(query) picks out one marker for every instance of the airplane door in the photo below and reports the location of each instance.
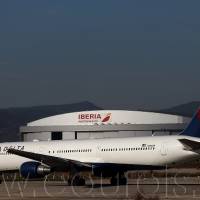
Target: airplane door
(98, 150)
(163, 149)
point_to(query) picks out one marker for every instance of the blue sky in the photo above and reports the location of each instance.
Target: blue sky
(117, 54)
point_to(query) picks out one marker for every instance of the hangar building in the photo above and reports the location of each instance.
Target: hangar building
(102, 124)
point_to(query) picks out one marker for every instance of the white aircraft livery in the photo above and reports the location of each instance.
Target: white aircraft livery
(111, 157)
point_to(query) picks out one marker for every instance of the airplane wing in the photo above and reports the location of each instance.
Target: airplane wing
(52, 161)
(190, 145)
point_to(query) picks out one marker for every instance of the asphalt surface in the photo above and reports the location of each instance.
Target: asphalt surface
(164, 188)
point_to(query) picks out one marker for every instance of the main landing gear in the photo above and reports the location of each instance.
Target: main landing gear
(120, 179)
(76, 181)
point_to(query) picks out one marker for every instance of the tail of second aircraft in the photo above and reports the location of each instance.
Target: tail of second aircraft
(193, 129)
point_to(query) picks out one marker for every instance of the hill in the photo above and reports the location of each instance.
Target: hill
(187, 109)
(12, 118)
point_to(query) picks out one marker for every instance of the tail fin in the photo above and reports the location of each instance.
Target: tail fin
(193, 129)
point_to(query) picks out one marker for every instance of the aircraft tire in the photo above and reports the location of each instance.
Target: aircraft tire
(76, 181)
(123, 181)
(113, 181)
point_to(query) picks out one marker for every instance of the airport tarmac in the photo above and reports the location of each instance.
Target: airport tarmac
(162, 188)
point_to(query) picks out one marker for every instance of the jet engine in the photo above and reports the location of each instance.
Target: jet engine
(34, 170)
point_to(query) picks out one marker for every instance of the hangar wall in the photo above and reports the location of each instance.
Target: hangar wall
(103, 124)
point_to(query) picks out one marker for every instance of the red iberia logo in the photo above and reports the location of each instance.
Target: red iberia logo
(107, 117)
(94, 117)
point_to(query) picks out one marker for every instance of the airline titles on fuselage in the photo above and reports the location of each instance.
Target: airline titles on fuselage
(4, 149)
(149, 147)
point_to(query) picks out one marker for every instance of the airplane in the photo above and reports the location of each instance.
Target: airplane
(108, 157)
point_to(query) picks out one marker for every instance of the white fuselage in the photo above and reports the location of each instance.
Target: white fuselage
(153, 151)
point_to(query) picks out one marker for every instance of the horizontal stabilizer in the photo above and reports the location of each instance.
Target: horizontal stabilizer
(190, 145)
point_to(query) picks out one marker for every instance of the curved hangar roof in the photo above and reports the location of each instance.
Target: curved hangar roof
(100, 117)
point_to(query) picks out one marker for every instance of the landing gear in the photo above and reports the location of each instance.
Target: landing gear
(76, 181)
(123, 181)
(120, 179)
(114, 181)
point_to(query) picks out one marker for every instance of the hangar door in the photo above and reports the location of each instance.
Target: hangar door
(56, 136)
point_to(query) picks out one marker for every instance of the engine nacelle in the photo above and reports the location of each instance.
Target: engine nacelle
(34, 170)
